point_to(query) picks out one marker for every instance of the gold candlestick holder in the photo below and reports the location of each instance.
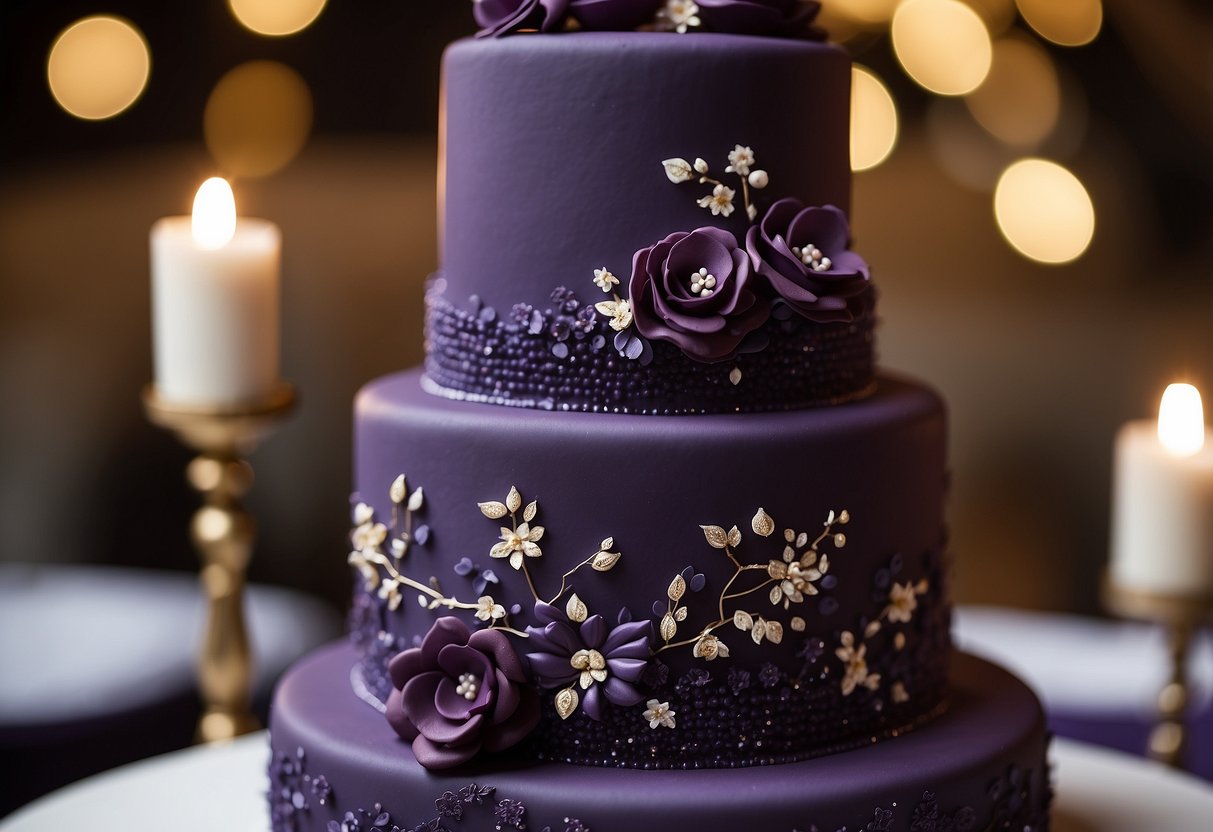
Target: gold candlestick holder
(1181, 616)
(223, 532)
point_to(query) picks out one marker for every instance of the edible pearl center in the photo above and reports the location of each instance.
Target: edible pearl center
(813, 257)
(702, 283)
(468, 687)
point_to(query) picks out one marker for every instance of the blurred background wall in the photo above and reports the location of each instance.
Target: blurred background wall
(331, 133)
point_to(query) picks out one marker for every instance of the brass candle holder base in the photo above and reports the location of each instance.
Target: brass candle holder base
(223, 533)
(1181, 616)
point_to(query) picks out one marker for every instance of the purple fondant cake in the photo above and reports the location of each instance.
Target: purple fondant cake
(648, 540)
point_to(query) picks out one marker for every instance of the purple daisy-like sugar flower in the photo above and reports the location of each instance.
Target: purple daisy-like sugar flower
(459, 693)
(614, 15)
(803, 254)
(696, 290)
(502, 17)
(785, 18)
(603, 663)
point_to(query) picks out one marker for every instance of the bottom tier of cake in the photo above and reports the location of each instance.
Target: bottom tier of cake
(981, 765)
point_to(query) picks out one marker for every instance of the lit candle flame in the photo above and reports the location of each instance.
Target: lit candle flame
(214, 219)
(1181, 420)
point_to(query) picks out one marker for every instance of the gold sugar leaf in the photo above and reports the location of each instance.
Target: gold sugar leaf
(844, 517)
(762, 524)
(416, 499)
(776, 594)
(789, 535)
(607, 544)
(774, 632)
(677, 588)
(576, 609)
(668, 628)
(605, 561)
(802, 539)
(742, 620)
(513, 500)
(798, 624)
(830, 518)
(716, 536)
(532, 509)
(760, 630)
(872, 629)
(680, 614)
(840, 540)
(398, 490)
(734, 536)
(566, 702)
(493, 510)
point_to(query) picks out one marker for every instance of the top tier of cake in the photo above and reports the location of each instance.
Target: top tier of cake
(553, 166)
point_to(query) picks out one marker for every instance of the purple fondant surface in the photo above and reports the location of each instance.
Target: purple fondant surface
(650, 484)
(551, 147)
(979, 766)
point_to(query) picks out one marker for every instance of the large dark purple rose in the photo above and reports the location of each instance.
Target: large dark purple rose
(694, 289)
(500, 17)
(803, 254)
(786, 18)
(614, 15)
(598, 661)
(459, 693)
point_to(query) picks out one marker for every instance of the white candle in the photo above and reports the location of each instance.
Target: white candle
(215, 303)
(1162, 512)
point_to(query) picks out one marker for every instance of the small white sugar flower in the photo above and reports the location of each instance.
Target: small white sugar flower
(619, 311)
(902, 603)
(369, 536)
(740, 160)
(678, 170)
(489, 610)
(678, 16)
(720, 202)
(515, 543)
(389, 590)
(659, 713)
(604, 280)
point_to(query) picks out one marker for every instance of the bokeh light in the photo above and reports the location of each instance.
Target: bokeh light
(1044, 211)
(257, 118)
(276, 18)
(864, 11)
(998, 15)
(942, 44)
(98, 67)
(1064, 22)
(1020, 100)
(873, 120)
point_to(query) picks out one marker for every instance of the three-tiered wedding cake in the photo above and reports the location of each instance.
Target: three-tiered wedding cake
(669, 551)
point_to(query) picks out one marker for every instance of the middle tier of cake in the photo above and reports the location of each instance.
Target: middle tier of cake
(780, 572)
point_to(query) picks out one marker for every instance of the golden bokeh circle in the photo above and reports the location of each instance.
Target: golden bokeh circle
(1064, 22)
(1044, 211)
(873, 120)
(257, 118)
(1019, 103)
(98, 67)
(942, 44)
(276, 18)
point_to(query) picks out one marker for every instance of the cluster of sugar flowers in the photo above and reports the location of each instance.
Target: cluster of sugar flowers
(710, 292)
(782, 18)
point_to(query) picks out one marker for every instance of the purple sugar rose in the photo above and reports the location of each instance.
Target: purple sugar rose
(786, 18)
(598, 661)
(459, 693)
(614, 15)
(803, 254)
(695, 291)
(501, 17)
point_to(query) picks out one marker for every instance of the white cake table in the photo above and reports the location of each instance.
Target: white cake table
(222, 788)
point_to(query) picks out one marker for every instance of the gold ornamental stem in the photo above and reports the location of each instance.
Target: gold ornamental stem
(1168, 740)
(1181, 616)
(223, 533)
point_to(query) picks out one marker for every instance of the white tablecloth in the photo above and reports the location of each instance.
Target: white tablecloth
(222, 788)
